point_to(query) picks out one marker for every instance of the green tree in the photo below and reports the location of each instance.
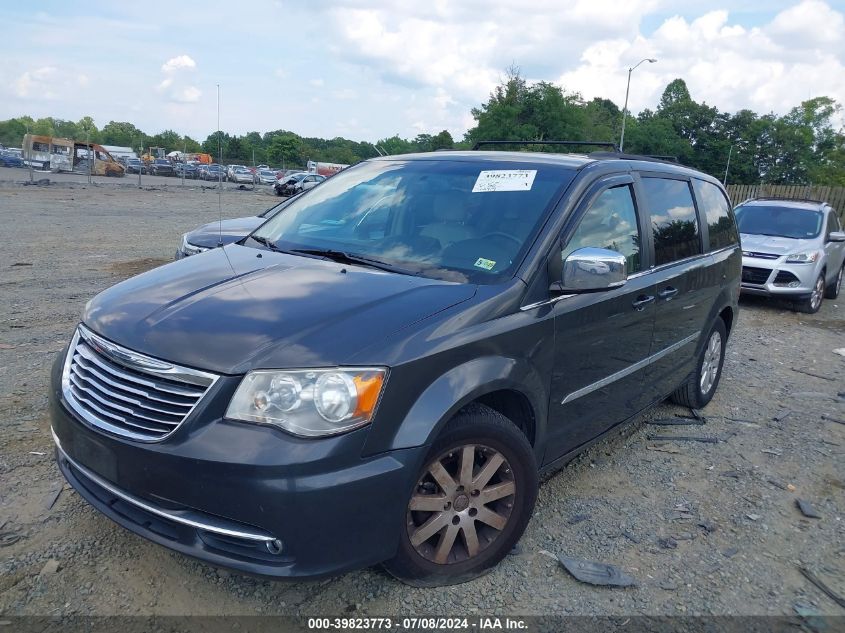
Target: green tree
(168, 139)
(88, 129)
(214, 143)
(12, 131)
(121, 133)
(443, 140)
(236, 150)
(286, 149)
(517, 110)
(396, 145)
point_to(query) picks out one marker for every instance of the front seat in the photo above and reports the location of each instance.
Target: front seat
(449, 217)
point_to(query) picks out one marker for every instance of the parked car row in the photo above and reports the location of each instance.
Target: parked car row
(11, 158)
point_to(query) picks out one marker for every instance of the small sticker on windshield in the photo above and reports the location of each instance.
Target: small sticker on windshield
(486, 264)
(505, 180)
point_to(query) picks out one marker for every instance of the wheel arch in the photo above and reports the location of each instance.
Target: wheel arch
(510, 386)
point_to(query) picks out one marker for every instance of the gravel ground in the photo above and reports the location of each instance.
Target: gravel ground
(705, 528)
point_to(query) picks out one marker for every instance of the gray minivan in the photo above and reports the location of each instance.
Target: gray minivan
(380, 373)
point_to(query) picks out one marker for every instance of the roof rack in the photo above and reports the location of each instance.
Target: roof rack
(654, 158)
(615, 147)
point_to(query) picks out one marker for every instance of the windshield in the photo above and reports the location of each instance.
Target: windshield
(788, 222)
(461, 221)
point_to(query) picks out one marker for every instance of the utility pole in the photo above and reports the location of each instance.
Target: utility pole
(728, 166)
(90, 154)
(29, 155)
(625, 109)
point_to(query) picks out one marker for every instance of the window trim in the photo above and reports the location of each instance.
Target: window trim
(586, 201)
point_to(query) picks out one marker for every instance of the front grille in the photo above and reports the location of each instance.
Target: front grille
(753, 275)
(127, 393)
(760, 255)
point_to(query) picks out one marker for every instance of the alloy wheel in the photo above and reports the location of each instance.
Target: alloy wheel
(710, 363)
(467, 491)
(818, 291)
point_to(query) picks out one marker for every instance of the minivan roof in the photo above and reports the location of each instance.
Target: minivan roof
(572, 161)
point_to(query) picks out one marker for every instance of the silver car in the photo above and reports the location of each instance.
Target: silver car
(266, 177)
(242, 175)
(794, 249)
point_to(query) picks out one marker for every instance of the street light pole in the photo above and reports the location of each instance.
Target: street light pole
(627, 90)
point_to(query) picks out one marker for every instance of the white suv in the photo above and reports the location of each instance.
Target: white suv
(793, 249)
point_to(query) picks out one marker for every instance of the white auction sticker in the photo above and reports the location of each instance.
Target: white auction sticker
(505, 180)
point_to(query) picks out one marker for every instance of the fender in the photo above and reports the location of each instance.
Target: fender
(465, 383)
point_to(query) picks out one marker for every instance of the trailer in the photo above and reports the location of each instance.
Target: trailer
(324, 169)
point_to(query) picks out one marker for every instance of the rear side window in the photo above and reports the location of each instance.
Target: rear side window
(673, 220)
(713, 204)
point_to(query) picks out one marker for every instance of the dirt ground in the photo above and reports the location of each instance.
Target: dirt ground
(705, 528)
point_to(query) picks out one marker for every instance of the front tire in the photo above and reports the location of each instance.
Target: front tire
(699, 388)
(813, 303)
(472, 501)
(832, 291)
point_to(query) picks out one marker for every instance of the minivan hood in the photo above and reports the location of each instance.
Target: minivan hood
(210, 235)
(233, 309)
(774, 245)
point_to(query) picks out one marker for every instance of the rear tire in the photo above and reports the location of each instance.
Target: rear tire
(813, 303)
(700, 386)
(472, 501)
(832, 291)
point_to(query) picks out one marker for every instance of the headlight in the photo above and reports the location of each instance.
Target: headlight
(802, 258)
(190, 249)
(309, 402)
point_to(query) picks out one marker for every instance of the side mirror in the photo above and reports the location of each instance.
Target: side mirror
(592, 270)
(836, 236)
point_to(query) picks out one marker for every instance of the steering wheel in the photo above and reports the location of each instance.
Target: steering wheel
(504, 235)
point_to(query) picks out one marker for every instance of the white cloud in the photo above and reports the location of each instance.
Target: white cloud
(401, 66)
(809, 22)
(724, 64)
(180, 62)
(174, 85)
(189, 94)
(35, 82)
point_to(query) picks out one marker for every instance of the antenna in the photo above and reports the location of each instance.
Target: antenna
(219, 173)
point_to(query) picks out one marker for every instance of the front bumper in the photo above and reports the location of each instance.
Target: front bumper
(321, 507)
(776, 278)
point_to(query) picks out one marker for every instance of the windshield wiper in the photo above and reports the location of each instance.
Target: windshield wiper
(344, 257)
(265, 242)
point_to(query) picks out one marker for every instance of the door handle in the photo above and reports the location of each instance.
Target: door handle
(667, 293)
(641, 302)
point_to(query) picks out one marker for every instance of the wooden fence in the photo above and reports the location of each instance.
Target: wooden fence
(835, 196)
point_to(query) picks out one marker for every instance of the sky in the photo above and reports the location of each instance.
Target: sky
(369, 70)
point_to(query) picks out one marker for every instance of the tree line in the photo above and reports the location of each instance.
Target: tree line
(802, 146)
